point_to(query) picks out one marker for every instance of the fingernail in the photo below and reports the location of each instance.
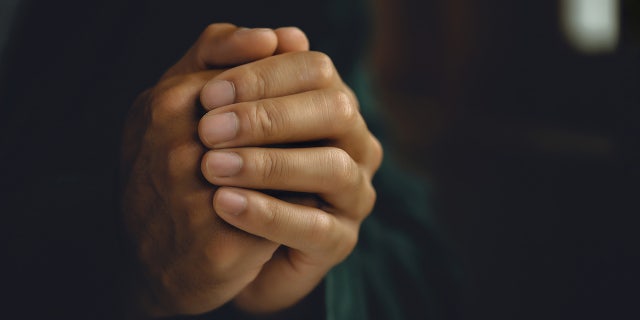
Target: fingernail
(223, 164)
(217, 93)
(230, 202)
(246, 31)
(219, 128)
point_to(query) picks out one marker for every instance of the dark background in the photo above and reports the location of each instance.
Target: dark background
(532, 148)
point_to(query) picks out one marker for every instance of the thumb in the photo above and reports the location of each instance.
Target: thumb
(224, 45)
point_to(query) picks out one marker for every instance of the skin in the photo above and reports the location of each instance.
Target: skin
(203, 230)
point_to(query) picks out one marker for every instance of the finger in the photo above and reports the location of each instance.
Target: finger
(276, 276)
(312, 115)
(276, 76)
(331, 115)
(233, 251)
(225, 249)
(366, 150)
(326, 171)
(291, 39)
(298, 227)
(224, 44)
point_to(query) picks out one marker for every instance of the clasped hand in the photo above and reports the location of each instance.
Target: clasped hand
(204, 148)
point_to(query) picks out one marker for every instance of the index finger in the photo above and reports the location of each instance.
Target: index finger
(275, 76)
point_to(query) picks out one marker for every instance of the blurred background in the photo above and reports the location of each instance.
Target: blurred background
(524, 116)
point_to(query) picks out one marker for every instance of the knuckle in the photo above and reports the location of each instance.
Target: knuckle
(252, 83)
(321, 66)
(343, 167)
(327, 235)
(343, 109)
(169, 103)
(270, 217)
(346, 108)
(182, 159)
(164, 106)
(321, 230)
(266, 120)
(272, 166)
(220, 257)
